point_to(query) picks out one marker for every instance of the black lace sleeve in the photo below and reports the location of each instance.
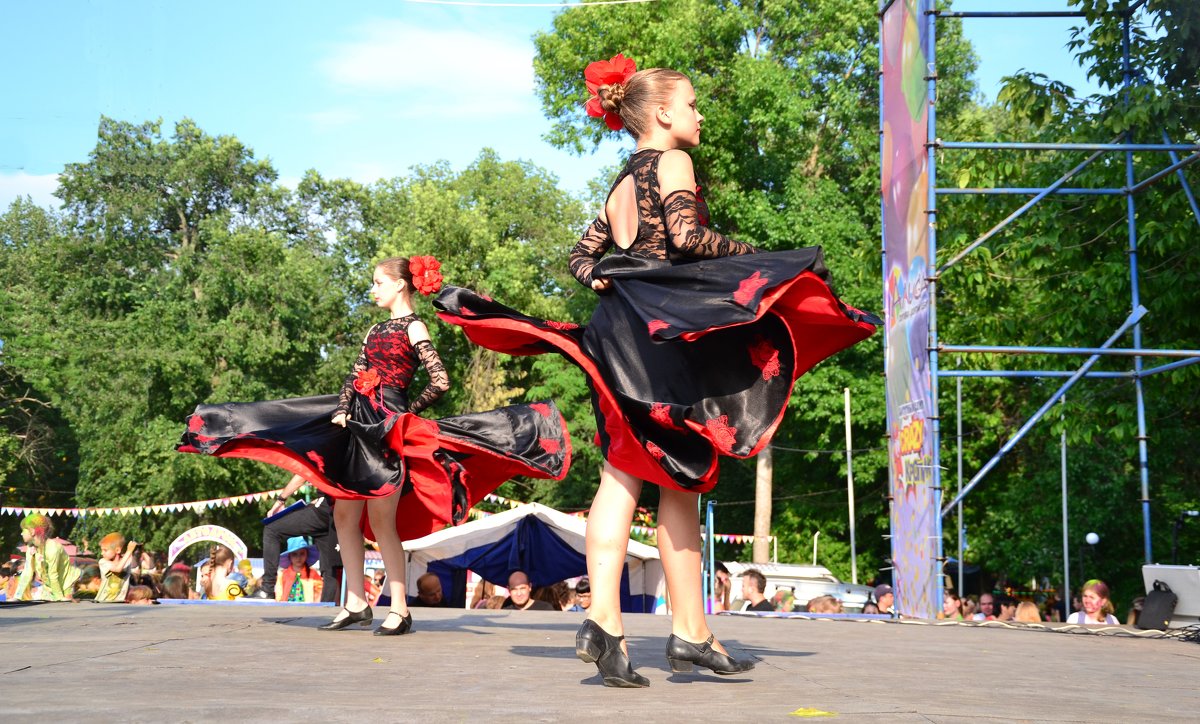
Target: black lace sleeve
(439, 381)
(587, 252)
(692, 238)
(360, 364)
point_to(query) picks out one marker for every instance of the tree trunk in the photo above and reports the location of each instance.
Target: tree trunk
(762, 506)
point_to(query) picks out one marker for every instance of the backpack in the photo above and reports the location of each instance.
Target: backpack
(1158, 608)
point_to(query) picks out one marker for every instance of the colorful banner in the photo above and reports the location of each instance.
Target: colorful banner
(195, 506)
(211, 533)
(905, 115)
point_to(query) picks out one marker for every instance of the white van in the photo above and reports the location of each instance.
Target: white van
(805, 583)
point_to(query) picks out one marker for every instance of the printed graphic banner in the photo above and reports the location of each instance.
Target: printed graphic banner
(914, 511)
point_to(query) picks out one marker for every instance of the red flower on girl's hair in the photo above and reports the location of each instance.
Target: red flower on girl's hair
(617, 69)
(426, 274)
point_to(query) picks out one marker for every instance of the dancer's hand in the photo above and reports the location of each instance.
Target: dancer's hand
(601, 284)
(340, 419)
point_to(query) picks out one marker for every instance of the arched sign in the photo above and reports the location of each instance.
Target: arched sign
(213, 533)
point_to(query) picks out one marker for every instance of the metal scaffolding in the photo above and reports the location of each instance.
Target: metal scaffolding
(1124, 144)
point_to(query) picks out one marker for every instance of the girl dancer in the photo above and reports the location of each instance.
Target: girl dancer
(691, 353)
(368, 449)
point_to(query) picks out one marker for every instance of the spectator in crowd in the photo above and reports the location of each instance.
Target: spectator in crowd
(721, 588)
(484, 591)
(520, 594)
(46, 561)
(583, 595)
(754, 584)
(6, 576)
(116, 568)
(870, 608)
(429, 592)
(375, 590)
(88, 583)
(297, 582)
(884, 598)
(177, 585)
(1027, 612)
(1008, 608)
(1097, 606)
(140, 595)
(496, 603)
(970, 604)
(951, 606)
(558, 595)
(987, 608)
(222, 586)
(825, 604)
(784, 600)
(1135, 611)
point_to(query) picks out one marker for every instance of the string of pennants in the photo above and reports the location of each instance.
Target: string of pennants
(194, 506)
(197, 506)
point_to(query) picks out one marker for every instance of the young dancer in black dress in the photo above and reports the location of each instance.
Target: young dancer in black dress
(368, 449)
(691, 353)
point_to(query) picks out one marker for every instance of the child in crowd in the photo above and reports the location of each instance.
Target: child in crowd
(46, 561)
(116, 568)
(298, 582)
(140, 595)
(222, 585)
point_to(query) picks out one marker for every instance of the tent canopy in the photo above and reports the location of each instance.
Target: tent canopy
(544, 543)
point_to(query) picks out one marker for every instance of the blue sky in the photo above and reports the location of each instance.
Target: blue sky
(363, 90)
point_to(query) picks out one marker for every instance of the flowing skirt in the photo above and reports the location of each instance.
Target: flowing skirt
(685, 362)
(440, 467)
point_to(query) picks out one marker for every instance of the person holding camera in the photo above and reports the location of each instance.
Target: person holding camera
(116, 568)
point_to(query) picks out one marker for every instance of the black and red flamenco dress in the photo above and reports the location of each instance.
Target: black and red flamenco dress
(694, 350)
(440, 467)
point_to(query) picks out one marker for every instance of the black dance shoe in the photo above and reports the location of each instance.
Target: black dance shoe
(404, 627)
(362, 618)
(593, 645)
(682, 654)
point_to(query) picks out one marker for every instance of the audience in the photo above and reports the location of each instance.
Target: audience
(1027, 612)
(296, 581)
(116, 568)
(484, 592)
(754, 584)
(951, 606)
(987, 608)
(1096, 606)
(429, 592)
(825, 604)
(520, 595)
(583, 596)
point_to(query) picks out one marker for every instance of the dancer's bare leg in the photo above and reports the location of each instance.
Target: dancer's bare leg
(382, 514)
(679, 546)
(346, 517)
(607, 543)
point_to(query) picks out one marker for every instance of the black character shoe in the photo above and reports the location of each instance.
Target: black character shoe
(593, 645)
(404, 626)
(682, 654)
(363, 618)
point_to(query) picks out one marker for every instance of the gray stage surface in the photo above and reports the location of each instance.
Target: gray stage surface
(90, 662)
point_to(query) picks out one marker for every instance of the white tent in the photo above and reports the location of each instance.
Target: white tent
(545, 543)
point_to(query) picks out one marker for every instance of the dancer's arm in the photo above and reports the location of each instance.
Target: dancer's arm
(677, 181)
(343, 408)
(439, 381)
(587, 252)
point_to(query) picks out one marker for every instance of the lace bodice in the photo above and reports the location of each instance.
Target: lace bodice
(388, 350)
(671, 229)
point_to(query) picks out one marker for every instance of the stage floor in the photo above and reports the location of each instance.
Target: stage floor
(90, 662)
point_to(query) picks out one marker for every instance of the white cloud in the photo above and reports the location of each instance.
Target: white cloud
(39, 188)
(435, 71)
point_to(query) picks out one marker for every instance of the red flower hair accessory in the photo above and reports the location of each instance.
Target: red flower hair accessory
(426, 274)
(617, 70)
